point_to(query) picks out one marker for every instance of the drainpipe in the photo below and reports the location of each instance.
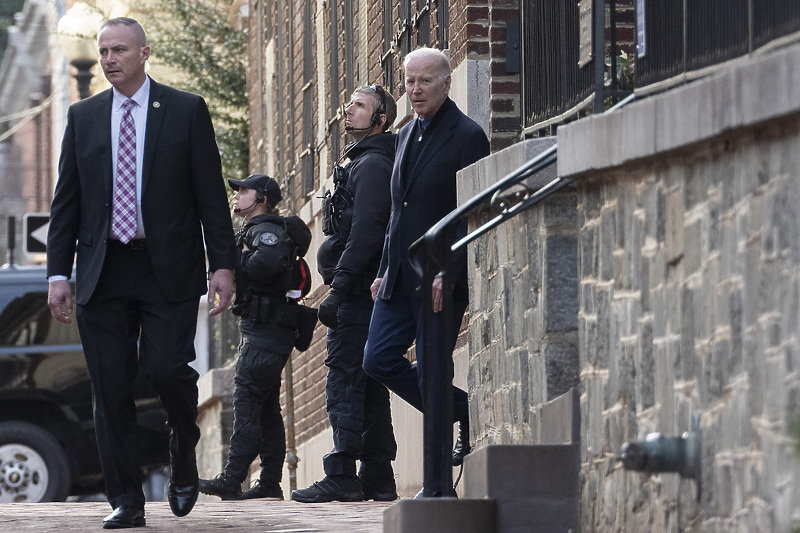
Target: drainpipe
(291, 451)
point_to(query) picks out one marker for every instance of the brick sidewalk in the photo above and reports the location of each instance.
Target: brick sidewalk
(246, 516)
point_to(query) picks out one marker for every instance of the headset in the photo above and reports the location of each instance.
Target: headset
(376, 115)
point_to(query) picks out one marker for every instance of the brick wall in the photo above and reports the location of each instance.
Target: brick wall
(276, 81)
(505, 117)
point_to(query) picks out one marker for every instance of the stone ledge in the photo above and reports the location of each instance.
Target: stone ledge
(479, 176)
(215, 384)
(763, 88)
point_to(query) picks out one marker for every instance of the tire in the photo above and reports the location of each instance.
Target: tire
(33, 465)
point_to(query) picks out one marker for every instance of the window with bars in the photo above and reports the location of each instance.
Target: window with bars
(307, 155)
(335, 102)
(349, 45)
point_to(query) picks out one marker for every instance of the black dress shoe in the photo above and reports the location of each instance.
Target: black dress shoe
(182, 498)
(462, 447)
(124, 516)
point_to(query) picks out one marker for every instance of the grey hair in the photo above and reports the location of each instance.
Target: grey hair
(431, 53)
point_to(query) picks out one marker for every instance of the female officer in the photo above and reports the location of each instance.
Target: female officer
(269, 249)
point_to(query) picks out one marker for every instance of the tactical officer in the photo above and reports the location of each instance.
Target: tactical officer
(355, 218)
(270, 248)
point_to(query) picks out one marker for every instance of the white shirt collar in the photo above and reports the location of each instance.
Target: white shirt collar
(140, 97)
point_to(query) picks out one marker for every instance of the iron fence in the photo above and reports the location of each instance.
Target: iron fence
(552, 81)
(676, 37)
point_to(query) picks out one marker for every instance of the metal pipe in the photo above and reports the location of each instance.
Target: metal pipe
(291, 450)
(12, 240)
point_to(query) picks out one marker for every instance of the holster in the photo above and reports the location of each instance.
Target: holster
(271, 310)
(306, 323)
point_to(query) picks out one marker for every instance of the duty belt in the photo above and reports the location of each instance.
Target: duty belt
(271, 310)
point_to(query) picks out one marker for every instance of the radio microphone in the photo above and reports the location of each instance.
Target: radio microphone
(351, 128)
(239, 210)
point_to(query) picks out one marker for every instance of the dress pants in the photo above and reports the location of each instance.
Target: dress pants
(358, 405)
(126, 309)
(396, 324)
(258, 425)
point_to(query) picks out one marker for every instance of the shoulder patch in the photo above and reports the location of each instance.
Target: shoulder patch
(270, 239)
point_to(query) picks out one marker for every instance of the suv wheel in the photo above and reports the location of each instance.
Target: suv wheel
(33, 465)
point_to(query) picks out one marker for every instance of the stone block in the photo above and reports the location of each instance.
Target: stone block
(645, 366)
(536, 377)
(674, 226)
(687, 334)
(587, 339)
(671, 305)
(562, 365)
(588, 304)
(664, 383)
(606, 330)
(441, 514)
(607, 245)
(589, 243)
(718, 375)
(592, 406)
(693, 249)
(775, 409)
(644, 282)
(505, 473)
(560, 419)
(592, 201)
(561, 283)
(560, 210)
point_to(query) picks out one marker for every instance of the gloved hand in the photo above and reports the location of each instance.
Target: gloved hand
(329, 308)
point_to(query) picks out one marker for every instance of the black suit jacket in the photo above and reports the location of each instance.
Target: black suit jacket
(183, 194)
(429, 192)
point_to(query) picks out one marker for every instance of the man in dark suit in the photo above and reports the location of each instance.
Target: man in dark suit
(139, 190)
(430, 150)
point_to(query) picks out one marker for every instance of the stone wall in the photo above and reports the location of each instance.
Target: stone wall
(523, 336)
(689, 254)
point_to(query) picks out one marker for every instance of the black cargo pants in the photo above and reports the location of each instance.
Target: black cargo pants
(358, 405)
(258, 425)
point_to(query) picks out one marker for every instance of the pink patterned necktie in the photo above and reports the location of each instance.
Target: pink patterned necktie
(123, 222)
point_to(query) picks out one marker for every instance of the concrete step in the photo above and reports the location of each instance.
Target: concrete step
(535, 486)
(441, 515)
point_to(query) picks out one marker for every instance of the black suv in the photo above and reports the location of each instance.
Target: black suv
(47, 443)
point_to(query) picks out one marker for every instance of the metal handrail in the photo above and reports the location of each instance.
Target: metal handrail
(440, 243)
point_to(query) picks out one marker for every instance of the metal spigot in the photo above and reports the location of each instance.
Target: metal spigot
(660, 454)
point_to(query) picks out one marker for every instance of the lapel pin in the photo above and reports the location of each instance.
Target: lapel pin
(156, 104)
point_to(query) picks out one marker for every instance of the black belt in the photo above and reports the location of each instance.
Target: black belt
(137, 245)
(271, 310)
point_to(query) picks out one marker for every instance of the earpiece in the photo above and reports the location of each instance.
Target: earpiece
(376, 116)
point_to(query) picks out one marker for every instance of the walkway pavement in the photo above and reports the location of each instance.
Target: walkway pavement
(207, 517)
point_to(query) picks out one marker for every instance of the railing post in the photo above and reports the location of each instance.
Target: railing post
(437, 365)
(599, 44)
